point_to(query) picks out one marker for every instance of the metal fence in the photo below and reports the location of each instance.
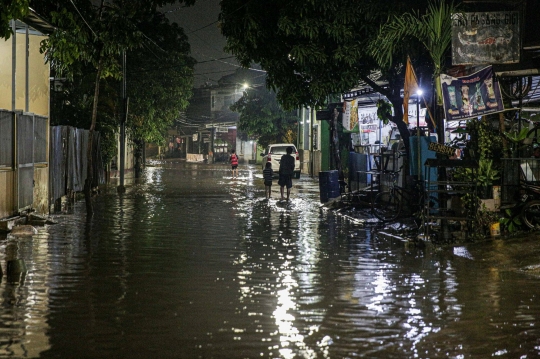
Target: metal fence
(7, 120)
(68, 160)
(517, 173)
(25, 159)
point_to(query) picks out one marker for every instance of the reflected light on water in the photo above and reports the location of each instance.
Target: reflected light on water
(381, 288)
(153, 175)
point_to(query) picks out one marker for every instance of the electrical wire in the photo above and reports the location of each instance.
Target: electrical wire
(83, 19)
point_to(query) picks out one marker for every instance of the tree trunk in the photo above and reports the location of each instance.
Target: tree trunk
(90, 150)
(139, 148)
(392, 93)
(404, 132)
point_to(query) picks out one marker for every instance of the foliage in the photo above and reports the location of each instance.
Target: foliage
(262, 117)
(310, 49)
(384, 111)
(511, 221)
(72, 106)
(485, 219)
(433, 29)
(485, 175)
(516, 139)
(11, 9)
(93, 37)
(314, 48)
(158, 47)
(485, 141)
(159, 79)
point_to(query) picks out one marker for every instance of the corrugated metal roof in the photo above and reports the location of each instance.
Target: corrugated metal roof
(35, 21)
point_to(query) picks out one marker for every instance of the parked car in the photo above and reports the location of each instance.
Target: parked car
(273, 155)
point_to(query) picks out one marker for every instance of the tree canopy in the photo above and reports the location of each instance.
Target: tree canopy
(11, 9)
(263, 118)
(310, 48)
(159, 68)
(92, 35)
(159, 79)
(433, 28)
(314, 48)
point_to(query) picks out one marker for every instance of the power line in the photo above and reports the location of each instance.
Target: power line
(215, 22)
(83, 19)
(204, 27)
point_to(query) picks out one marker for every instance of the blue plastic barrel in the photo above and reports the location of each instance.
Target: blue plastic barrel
(328, 185)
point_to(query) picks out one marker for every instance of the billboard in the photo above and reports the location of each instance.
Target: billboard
(471, 96)
(485, 38)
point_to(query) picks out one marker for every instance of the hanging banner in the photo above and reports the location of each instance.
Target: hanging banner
(486, 38)
(471, 96)
(350, 116)
(346, 118)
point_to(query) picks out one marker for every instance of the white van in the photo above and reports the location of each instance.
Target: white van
(273, 155)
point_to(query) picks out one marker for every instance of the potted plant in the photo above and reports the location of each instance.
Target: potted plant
(483, 177)
(488, 221)
(486, 175)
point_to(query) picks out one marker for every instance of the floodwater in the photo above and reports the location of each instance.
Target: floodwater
(190, 263)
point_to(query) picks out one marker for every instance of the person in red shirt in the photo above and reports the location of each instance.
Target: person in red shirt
(234, 163)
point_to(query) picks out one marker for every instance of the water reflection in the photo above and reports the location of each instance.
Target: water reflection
(189, 263)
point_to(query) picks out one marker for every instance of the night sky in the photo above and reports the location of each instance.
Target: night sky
(200, 24)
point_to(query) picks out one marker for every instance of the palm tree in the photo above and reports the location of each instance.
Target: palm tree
(433, 30)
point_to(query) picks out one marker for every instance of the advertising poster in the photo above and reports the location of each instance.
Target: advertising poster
(485, 38)
(471, 96)
(350, 116)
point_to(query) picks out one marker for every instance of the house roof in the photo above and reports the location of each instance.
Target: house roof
(35, 21)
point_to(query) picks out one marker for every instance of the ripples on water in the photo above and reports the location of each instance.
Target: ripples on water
(192, 264)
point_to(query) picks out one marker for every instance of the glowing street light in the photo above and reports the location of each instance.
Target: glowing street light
(419, 93)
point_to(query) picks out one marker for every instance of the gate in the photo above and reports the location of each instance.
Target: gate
(25, 162)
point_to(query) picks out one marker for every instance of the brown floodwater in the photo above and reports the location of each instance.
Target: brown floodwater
(190, 263)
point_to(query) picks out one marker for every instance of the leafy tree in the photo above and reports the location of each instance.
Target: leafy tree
(433, 29)
(262, 117)
(90, 35)
(315, 48)
(11, 9)
(159, 81)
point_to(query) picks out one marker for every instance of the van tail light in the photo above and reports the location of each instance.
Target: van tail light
(269, 158)
(297, 156)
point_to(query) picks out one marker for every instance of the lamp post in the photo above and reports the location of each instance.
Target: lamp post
(419, 163)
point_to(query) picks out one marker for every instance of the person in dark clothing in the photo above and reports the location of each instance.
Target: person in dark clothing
(267, 175)
(286, 171)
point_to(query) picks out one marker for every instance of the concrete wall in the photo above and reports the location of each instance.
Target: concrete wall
(32, 95)
(7, 194)
(38, 75)
(41, 189)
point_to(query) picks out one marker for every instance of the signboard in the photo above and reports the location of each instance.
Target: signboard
(439, 148)
(350, 116)
(471, 96)
(346, 118)
(485, 38)
(195, 137)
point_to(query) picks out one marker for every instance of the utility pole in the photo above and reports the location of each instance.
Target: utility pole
(123, 116)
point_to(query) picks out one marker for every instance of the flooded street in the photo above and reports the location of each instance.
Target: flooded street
(190, 263)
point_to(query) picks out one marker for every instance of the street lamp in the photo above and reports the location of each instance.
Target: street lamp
(419, 93)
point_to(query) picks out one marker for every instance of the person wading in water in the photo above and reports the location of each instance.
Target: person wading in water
(286, 171)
